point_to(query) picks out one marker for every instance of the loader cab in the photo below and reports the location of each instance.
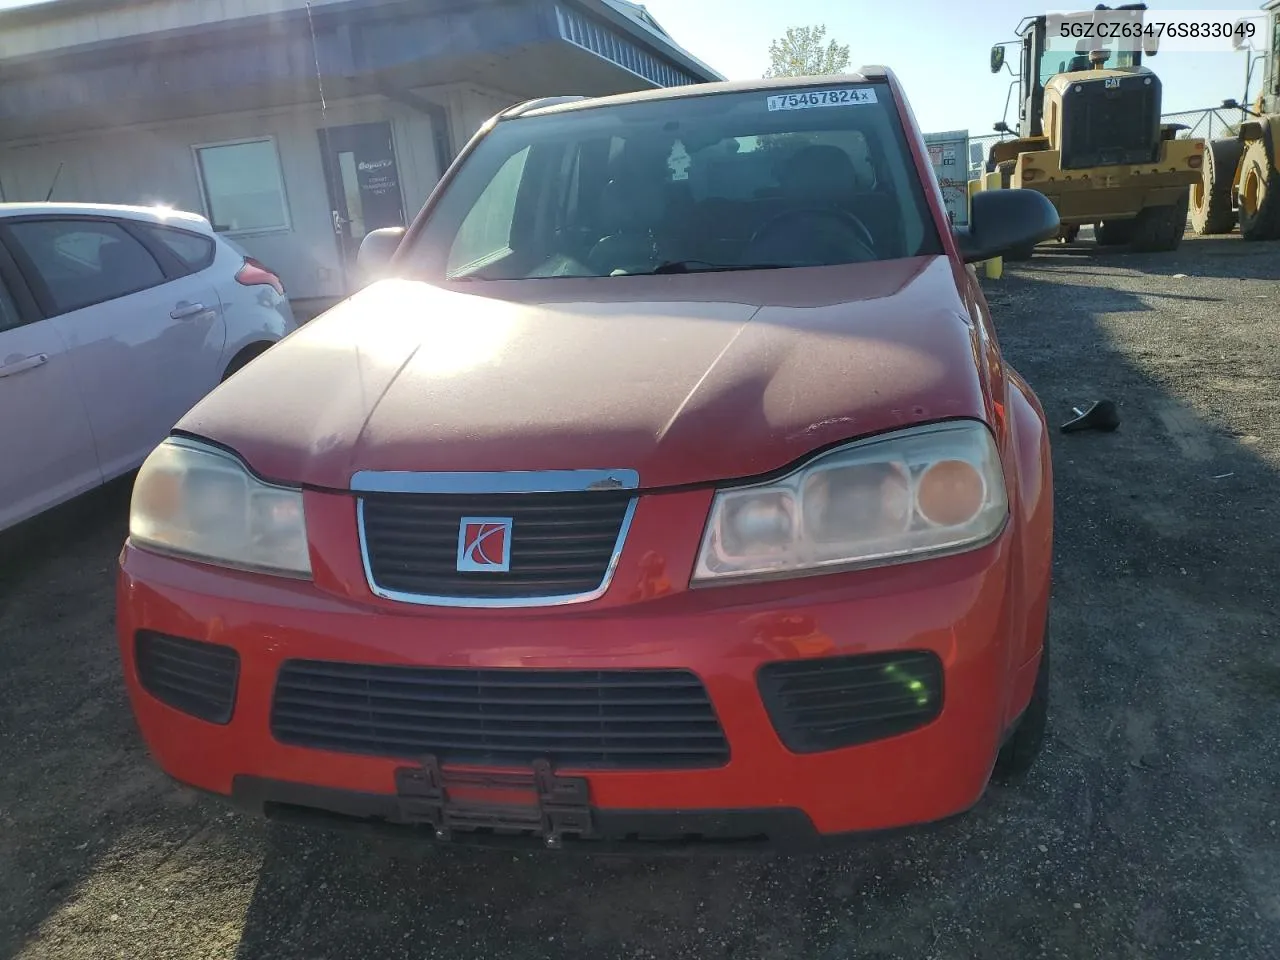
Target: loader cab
(1042, 59)
(1083, 88)
(1271, 84)
(1265, 49)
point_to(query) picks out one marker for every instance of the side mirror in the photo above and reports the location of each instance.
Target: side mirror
(1003, 220)
(1230, 104)
(1240, 36)
(1150, 44)
(376, 251)
(1001, 127)
(997, 58)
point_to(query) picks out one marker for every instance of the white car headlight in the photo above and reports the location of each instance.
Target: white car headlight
(906, 495)
(197, 501)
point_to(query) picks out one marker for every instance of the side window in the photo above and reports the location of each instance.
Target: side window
(195, 252)
(486, 232)
(1275, 53)
(83, 262)
(8, 310)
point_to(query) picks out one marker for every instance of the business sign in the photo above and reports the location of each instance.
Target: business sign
(949, 156)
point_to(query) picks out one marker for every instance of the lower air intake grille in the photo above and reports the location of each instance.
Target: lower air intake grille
(601, 719)
(835, 702)
(196, 678)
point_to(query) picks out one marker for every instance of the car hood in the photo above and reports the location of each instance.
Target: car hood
(685, 379)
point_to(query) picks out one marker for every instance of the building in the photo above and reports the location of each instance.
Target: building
(295, 126)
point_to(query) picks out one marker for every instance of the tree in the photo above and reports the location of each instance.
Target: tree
(802, 52)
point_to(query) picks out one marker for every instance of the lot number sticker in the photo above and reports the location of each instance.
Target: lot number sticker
(821, 98)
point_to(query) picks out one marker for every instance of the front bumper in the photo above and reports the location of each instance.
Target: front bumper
(1112, 192)
(962, 608)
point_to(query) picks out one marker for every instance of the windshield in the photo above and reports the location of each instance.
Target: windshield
(1072, 53)
(764, 179)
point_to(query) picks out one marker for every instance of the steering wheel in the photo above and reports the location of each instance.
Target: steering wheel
(851, 229)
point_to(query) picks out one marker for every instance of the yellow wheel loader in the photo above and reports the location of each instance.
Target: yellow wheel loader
(1240, 181)
(1089, 133)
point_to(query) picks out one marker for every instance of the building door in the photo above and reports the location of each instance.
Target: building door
(364, 186)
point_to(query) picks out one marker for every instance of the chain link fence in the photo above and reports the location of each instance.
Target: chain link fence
(1210, 123)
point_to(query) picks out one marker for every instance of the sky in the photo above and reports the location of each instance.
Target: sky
(938, 48)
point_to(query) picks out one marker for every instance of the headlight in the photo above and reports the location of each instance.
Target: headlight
(197, 501)
(914, 493)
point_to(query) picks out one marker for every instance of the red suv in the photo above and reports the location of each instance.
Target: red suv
(668, 485)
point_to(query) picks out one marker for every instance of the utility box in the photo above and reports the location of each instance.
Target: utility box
(949, 155)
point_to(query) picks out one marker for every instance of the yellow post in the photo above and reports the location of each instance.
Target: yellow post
(994, 269)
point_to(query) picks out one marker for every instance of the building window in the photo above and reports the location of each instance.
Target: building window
(242, 185)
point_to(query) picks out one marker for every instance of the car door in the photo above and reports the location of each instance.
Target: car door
(47, 453)
(144, 335)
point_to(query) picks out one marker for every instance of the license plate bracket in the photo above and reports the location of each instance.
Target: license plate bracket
(536, 802)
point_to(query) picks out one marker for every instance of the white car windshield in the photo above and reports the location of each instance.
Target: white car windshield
(771, 178)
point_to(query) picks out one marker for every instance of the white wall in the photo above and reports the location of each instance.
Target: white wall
(470, 106)
(155, 164)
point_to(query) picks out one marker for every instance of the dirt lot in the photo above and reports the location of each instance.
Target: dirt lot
(1151, 829)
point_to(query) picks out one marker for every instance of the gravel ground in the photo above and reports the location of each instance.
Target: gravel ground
(1149, 830)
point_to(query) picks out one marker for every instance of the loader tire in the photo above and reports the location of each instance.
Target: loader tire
(1259, 194)
(1211, 211)
(1160, 229)
(1113, 233)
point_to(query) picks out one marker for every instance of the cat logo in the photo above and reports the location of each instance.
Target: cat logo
(1111, 82)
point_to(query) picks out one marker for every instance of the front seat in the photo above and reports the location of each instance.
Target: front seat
(629, 210)
(825, 174)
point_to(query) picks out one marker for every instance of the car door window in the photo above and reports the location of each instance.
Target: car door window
(83, 262)
(195, 252)
(8, 310)
(486, 232)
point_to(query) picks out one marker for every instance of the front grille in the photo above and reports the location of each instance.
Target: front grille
(834, 702)
(561, 543)
(196, 678)
(1102, 126)
(601, 719)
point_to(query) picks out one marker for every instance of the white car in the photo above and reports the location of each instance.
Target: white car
(114, 321)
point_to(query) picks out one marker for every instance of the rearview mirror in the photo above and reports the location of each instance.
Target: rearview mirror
(1003, 220)
(376, 251)
(997, 58)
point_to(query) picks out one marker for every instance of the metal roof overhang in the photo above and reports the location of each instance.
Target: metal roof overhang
(530, 47)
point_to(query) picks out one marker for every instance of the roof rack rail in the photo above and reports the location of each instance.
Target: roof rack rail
(536, 104)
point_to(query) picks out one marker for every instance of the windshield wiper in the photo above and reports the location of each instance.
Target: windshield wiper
(706, 266)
